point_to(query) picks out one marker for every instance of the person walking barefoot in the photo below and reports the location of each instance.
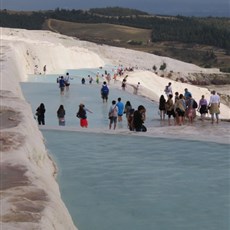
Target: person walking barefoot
(113, 115)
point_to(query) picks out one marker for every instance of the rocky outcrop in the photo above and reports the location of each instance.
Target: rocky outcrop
(209, 79)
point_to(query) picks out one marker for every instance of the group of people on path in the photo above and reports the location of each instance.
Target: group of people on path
(184, 105)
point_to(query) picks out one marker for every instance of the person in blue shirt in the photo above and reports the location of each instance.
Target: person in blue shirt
(104, 92)
(61, 85)
(187, 94)
(120, 106)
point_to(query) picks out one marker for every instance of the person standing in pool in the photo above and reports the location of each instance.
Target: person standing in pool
(82, 115)
(90, 79)
(97, 78)
(120, 106)
(162, 102)
(214, 106)
(67, 81)
(104, 92)
(179, 110)
(61, 115)
(40, 113)
(139, 118)
(123, 85)
(191, 112)
(128, 107)
(113, 115)
(187, 94)
(61, 85)
(169, 108)
(203, 107)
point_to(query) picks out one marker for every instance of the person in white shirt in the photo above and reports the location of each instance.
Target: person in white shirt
(113, 115)
(66, 79)
(136, 88)
(168, 89)
(214, 106)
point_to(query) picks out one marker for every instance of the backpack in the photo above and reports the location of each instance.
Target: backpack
(111, 112)
(194, 106)
(105, 89)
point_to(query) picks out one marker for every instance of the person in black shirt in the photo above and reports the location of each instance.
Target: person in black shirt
(40, 113)
(139, 118)
(61, 115)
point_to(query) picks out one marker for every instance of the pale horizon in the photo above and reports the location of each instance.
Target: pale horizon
(165, 7)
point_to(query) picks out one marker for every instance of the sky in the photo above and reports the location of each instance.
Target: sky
(219, 8)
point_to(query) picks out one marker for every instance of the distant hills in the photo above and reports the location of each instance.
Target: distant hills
(202, 41)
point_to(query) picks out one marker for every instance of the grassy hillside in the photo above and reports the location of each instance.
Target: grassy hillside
(100, 32)
(139, 39)
(202, 41)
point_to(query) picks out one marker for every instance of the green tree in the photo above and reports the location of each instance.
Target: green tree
(163, 66)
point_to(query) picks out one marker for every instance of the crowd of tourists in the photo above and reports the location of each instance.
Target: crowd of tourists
(177, 108)
(135, 118)
(183, 106)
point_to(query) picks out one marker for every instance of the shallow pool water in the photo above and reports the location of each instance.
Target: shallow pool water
(46, 90)
(125, 181)
(132, 182)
